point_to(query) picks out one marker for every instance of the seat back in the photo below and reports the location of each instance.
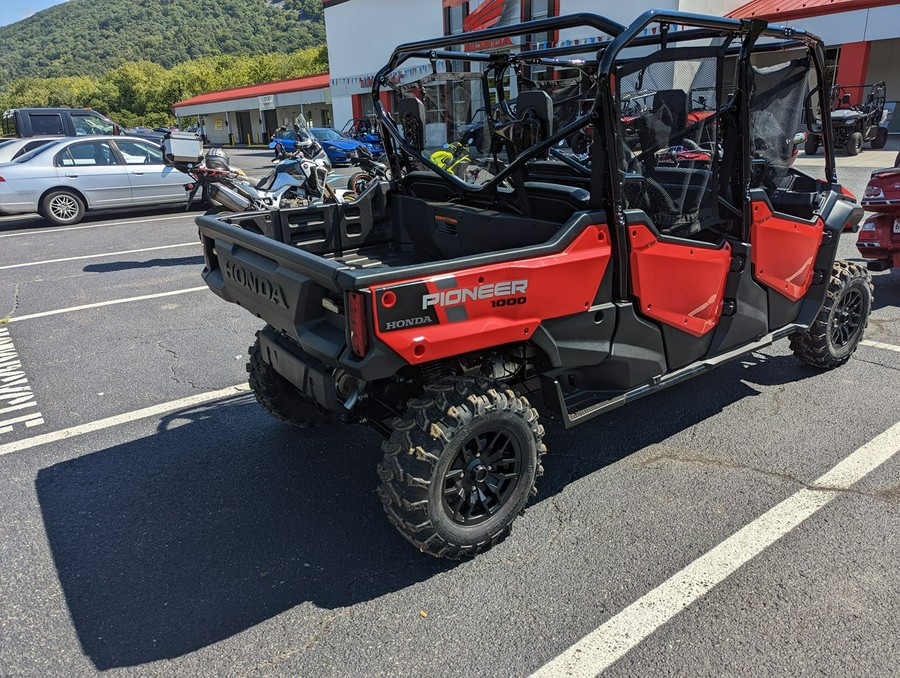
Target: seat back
(675, 101)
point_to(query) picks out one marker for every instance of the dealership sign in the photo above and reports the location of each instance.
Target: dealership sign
(267, 102)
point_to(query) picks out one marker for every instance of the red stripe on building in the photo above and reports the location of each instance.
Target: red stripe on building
(785, 10)
(322, 81)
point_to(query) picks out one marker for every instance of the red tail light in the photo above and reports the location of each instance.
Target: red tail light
(356, 312)
(2, 179)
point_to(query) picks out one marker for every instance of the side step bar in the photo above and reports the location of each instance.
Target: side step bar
(603, 402)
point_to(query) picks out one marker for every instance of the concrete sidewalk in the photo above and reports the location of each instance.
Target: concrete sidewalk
(868, 158)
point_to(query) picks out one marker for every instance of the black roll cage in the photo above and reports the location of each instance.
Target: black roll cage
(607, 182)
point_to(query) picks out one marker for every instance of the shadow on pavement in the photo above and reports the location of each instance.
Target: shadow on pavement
(225, 518)
(887, 289)
(152, 263)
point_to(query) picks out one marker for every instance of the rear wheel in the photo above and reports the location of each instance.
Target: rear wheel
(839, 327)
(881, 138)
(62, 207)
(358, 182)
(812, 144)
(278, 395)
(854, 143)
(460, 465)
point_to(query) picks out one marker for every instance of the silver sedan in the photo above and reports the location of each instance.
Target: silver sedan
(65, 179)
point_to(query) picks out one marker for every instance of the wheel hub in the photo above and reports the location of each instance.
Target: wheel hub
(482, 476)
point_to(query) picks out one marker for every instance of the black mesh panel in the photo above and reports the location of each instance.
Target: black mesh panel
(669, 136)
(777, 97)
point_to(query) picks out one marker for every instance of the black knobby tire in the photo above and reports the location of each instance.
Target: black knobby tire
(812, 144)
(839, 327)
(854, 143)
(279, 396)
(881, 138)
(460, 465)
(62, 207)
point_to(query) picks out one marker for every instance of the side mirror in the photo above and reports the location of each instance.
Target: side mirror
(799, 138)
(845, 99)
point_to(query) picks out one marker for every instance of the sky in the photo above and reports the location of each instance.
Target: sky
(16, 10)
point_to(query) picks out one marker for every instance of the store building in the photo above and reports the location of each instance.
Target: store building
(862, 36)
(251, 114)
(354, 61)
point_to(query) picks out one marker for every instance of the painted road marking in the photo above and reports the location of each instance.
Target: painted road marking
(601, 648)
(16, 394)
(878, 344)
(81, 228)
(99, 304)
(119, 419)
(95, 256)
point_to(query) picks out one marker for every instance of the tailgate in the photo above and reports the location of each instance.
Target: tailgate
(283, 285)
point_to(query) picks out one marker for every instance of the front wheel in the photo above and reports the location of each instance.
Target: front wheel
(854, 143)
(881, 138)
(62, 208)
(460, 465)
(839, 327)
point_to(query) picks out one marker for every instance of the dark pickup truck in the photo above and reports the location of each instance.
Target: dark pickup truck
(436, 309)
(68, 122)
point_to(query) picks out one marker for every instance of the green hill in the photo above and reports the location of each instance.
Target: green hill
(90, 37)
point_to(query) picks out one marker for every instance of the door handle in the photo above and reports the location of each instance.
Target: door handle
(72, 176)
(140, 174)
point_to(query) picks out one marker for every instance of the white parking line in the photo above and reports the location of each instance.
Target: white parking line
(878, 344)
(601, 648)
(119, 419)
(81, 228)
(99, 304)
(106, 254)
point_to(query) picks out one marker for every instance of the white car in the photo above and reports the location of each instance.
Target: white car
(63, 180)
(10, 149)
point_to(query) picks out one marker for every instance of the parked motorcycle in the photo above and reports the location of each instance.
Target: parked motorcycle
(879, 237)
(370, 170)
(297, 181)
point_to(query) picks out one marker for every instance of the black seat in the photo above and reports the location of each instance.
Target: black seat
(554, 171)
(428, 186)
(555, 202)
(675, 101)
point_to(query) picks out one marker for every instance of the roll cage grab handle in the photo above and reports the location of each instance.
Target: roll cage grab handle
(603, 108)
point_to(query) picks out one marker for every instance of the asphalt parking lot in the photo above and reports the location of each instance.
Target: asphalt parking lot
(156, 521)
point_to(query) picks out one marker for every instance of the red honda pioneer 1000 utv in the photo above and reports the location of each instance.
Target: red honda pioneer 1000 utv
(432, 303)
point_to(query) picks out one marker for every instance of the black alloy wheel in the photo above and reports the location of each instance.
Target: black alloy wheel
(483, 476)
(847, 318)
(460, 465)
(838, 328)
